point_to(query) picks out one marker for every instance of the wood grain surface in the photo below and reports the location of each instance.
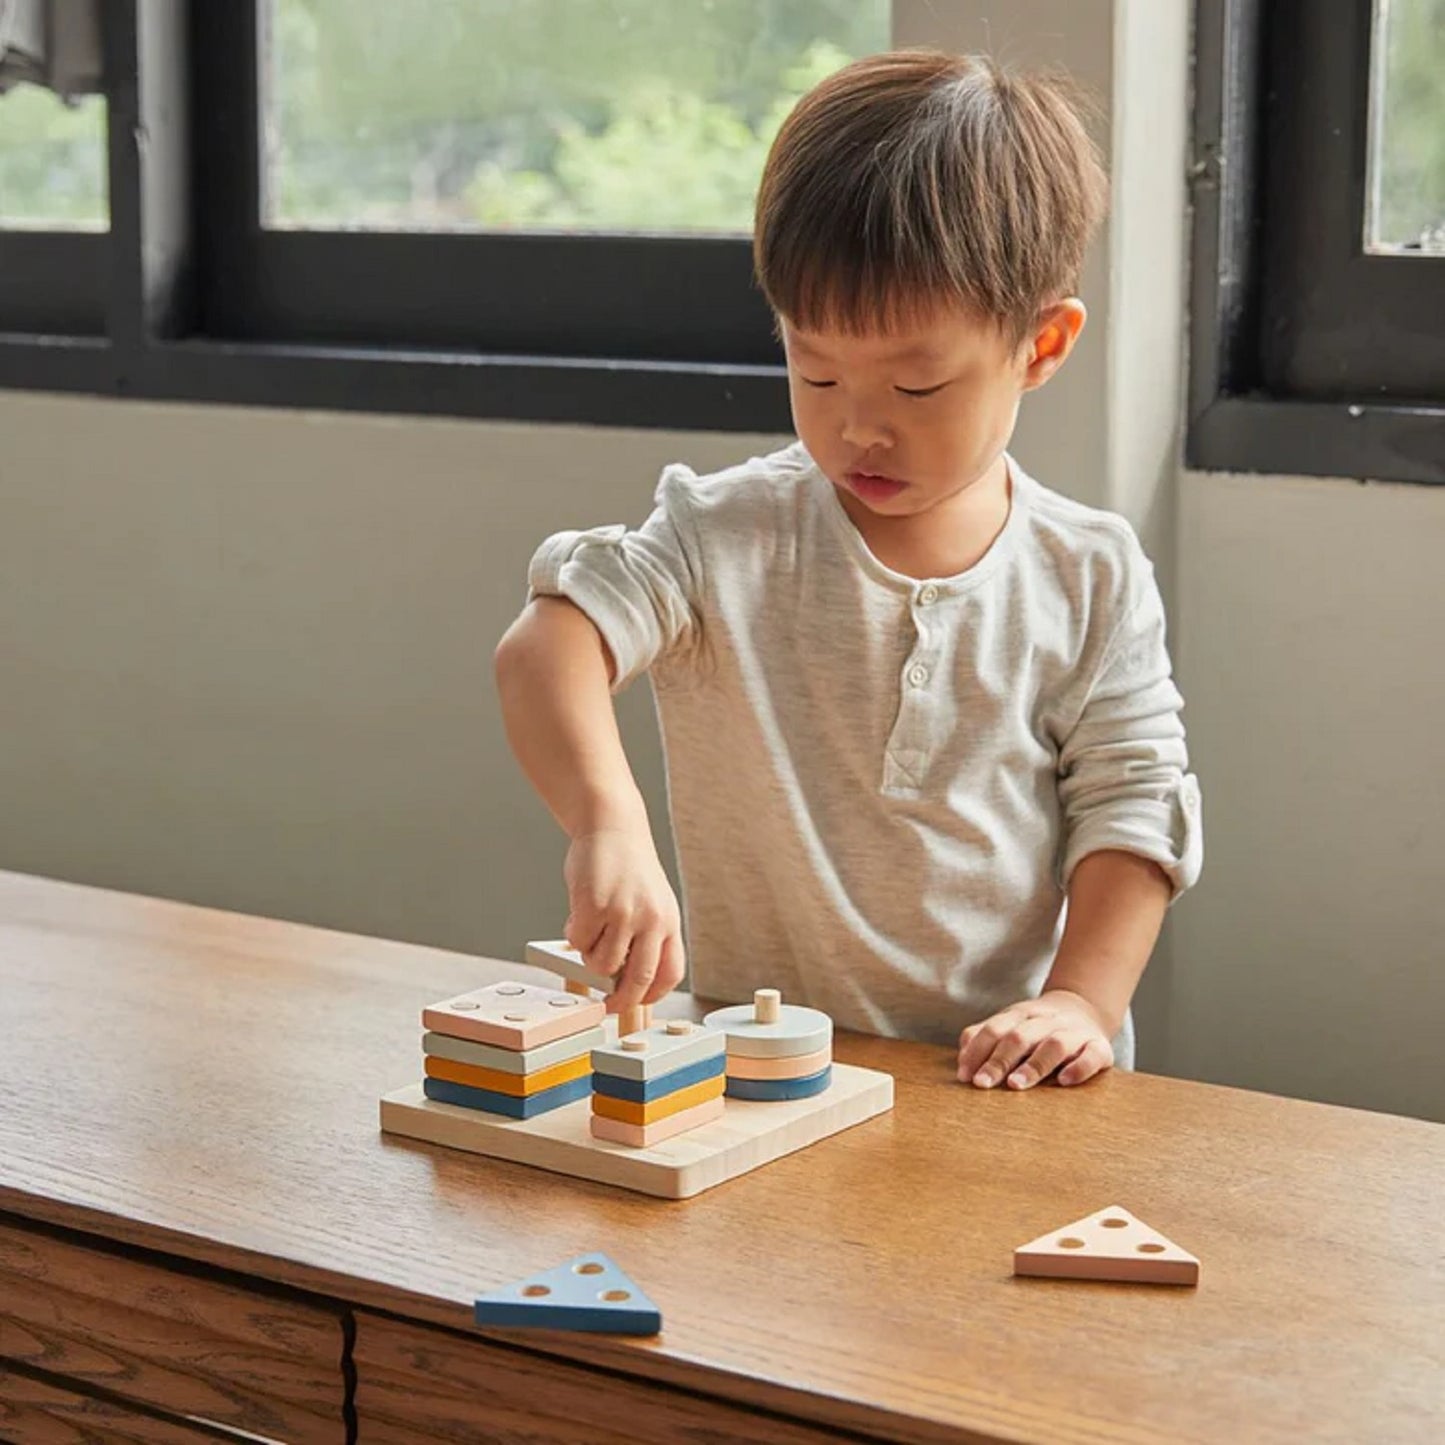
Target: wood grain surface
(416, 1383)
(268, 1366)
(205, 1084)
(38, 1412)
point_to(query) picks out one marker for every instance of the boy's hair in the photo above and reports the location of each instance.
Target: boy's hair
(916, 178)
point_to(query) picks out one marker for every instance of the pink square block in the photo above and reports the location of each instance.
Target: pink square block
(514, 1015)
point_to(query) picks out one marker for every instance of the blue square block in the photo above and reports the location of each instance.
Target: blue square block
(491, 1102)
(776, 1090)
(644, 1091)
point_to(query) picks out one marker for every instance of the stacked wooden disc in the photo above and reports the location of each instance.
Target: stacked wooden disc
(775, 1051)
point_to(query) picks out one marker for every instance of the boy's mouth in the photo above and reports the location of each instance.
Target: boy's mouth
(872, 486)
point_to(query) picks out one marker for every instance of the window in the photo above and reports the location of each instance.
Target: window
(52, 210)
(1407, 128)
(52, 162)
(613, 116)
(1319, 276)
(532, 209)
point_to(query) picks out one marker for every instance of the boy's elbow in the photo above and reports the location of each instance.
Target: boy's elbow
(547, 626)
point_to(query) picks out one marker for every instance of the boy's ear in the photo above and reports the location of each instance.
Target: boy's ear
(1052, 339)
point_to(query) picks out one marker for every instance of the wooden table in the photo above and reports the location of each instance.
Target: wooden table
(203, 1232)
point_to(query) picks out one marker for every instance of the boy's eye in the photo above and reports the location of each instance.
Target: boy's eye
(808, 381)
(921, 390)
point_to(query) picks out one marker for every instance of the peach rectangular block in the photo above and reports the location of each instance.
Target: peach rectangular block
(644, 1136)
(501, 1082)
(1109, 1245)
(514, 1015)
(628, 1111)
(800, 1066)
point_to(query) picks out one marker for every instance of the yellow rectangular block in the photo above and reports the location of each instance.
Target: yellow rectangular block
(517, 1085)
(626, 1111)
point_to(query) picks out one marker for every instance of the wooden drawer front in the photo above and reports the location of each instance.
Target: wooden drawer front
(184, 1345)
(35, 1413)
(415, 1385)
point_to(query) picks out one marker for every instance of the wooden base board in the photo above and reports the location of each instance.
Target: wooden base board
(748, 1135)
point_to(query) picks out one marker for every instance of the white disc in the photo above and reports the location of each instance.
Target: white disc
(797, 1031)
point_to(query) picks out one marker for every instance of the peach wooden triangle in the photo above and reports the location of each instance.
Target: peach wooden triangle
(1111, 1244)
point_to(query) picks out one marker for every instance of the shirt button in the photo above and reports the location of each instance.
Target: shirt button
(918, 675)
(928, 594)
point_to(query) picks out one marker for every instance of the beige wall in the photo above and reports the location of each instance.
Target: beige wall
(246, 656)
(1311, 960)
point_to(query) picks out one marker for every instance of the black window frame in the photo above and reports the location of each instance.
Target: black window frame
(191, 299)
(1307, 355)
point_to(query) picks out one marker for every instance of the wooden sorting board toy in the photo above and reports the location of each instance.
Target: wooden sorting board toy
(1109, 1245)
(746, 1136)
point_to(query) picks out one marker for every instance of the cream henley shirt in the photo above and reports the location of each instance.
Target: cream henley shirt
(879, 786)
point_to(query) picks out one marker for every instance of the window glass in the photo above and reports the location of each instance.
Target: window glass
(578, 115)
(52, 161)
(1407, 130)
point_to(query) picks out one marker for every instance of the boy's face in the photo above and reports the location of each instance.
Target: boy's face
(904, 421)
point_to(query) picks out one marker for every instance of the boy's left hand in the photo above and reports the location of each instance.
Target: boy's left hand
(1028, 1041)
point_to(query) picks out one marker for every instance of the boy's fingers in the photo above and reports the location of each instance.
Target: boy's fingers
(670, 967)
(977, 1043)
(582, 931)
(637, 977)
(1051, 1054)
(1093, 1058)
(609, 952)
(1015, 1045)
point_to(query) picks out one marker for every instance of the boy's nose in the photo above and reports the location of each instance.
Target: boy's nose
(865, 432)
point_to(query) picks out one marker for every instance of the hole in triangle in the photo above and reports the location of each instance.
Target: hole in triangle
(535, 1291)
(589, 1266)
(1116, 1224)
(615, 1296)
(1071, 1244)
(1151, 1249)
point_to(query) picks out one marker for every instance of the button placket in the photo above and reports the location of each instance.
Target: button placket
(912, 741)
(920, 665)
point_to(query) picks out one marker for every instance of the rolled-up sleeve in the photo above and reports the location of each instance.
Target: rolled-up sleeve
(1123, 778)
(640, 588)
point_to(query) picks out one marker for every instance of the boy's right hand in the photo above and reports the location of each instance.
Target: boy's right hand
(624, 917)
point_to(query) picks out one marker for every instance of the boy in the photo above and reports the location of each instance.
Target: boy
(913, 702)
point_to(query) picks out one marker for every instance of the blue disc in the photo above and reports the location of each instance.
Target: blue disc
(776, 1090)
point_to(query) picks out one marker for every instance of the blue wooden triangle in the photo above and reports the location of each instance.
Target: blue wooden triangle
(587, 1293)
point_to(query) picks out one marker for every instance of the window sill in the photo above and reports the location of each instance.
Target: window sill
(598, 392)
(1374, 441)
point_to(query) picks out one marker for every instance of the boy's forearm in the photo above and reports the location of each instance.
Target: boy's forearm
(553, 676)
(1117, 903)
